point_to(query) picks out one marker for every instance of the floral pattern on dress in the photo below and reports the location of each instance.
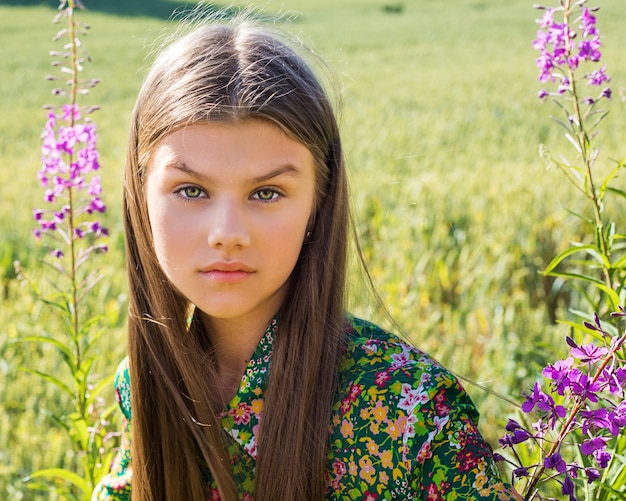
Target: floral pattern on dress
(402, 427)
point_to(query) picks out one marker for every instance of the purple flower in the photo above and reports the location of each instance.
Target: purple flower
(589, 47)
(617, 418)
(559, 56)
(515, 437)
(587, 353)
(584, 387)
(48, 225)
(555, 462)
(95, 188)
(595, 419)
(568, 488)
(68, 159)
(547, 19)
(512, 425)
(564, 86)
(602, 457)
(544, 403)
(559, 373)
(589, 50)
(598, 77)
(532, 399)
(592, 475)
(592, 445)
(614, 378)
(516, 434)
(588, 22)
(98, 230)
(96, 205)
(620, 313)
(520, 472)
(541, 41)
(71, 112)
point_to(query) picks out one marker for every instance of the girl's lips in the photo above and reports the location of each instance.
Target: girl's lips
(227, 277)
(227, 272)
(227, 266)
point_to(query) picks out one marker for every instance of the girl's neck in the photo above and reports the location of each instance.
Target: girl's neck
(233, 344)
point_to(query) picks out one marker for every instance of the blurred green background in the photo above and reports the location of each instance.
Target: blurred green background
(441, 124)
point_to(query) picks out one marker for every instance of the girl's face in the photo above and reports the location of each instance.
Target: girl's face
(229, 206)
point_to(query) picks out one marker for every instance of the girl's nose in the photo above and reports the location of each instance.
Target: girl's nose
(227, 225)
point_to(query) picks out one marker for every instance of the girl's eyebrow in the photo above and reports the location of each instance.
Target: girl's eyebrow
(284, 170)
(181, 166)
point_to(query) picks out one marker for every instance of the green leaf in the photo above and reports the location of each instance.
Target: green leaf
(51, 379)
(613, 295)
(607, 492)
(590, 250)
(620, 263)
(580, 216)
(610, 177)
(568, 252)
(609, 488)
(106, 382)
(577, 276)
(109, 411)
(59, 420)
(62, 474)
(615, 191)
(65, 351)
(88, 325)
(81, 376)
(45, 339)
(93, 338)
(80, 431)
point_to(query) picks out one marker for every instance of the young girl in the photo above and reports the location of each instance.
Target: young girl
(248, 378)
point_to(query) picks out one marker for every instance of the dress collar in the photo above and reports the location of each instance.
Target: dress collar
(242, 417)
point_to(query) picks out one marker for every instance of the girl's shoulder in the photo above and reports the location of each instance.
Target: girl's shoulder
(374, 346)
(377, 359)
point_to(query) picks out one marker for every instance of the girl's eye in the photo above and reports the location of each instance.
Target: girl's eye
(191, 192)
(266, 195)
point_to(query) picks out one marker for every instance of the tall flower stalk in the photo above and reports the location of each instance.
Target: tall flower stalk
(70, 227)
(569, 44)
(571, 436)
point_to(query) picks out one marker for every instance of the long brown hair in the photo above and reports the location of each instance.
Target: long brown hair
(231, 73)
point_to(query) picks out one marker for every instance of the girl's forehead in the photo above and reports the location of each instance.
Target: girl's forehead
(253, 129)
(255, 148)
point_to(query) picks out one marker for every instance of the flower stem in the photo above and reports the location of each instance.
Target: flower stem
(75, 318)
(584, 144)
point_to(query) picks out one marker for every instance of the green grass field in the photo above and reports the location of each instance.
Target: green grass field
(457, 213)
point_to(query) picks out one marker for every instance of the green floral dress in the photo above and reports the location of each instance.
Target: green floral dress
(402, 428)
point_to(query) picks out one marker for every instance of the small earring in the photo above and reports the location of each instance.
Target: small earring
(308, 235)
